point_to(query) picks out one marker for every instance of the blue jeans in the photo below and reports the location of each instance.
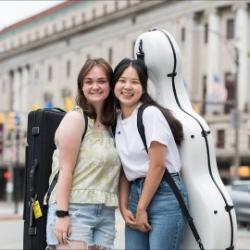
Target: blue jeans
(164, 215)
(93, 224)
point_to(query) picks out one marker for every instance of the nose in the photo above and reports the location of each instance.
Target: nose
(127, 85)
(95, 85)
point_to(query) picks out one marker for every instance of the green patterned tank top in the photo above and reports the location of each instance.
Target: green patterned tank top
(96, 175)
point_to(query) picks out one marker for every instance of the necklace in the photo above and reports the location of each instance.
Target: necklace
(98, 124)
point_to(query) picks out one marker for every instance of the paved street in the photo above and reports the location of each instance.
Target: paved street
(11, 229)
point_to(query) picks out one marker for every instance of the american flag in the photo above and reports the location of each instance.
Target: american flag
(219, 89)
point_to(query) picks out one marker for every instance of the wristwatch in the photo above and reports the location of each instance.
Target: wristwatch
(62, 213)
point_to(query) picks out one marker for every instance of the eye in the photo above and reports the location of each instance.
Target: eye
(87, 82)
(135, 82)
(121, 80)
(102, 81)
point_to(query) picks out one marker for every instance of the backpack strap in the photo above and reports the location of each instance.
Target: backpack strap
(169, 179)
(55, 179)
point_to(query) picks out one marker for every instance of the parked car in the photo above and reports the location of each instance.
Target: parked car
(240, 193)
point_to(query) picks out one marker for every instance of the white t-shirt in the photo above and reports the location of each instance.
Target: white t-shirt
(134, 158)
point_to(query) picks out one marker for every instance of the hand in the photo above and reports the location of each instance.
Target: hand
(129, 218)
(142, 220)
(63, 229)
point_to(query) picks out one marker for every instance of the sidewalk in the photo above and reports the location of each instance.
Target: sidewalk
(10, 210)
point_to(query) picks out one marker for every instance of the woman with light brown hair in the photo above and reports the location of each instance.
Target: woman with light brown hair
(82, 205)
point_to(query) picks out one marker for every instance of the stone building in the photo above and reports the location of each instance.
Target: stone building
(40, 58)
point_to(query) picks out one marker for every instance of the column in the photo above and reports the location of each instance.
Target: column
(24, 89)
(16, 89)
(241, 33)
(189, 61)
(213, 52)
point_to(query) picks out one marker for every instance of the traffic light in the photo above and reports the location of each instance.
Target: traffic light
(6, 174)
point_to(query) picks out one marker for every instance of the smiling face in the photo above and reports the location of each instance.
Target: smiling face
(128, 88)
(96, 86)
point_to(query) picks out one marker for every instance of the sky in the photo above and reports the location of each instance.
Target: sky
(14, 11)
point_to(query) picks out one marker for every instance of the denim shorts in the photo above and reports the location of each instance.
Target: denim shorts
(90, 223)
(164, 216)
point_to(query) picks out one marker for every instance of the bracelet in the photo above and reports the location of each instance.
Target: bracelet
(62, 213)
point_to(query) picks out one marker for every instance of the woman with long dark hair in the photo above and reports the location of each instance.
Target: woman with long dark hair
(148, 205)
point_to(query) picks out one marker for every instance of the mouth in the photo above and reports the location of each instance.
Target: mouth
(127, 94)
(96, 93)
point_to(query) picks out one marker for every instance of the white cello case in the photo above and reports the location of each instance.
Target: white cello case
(208, 198)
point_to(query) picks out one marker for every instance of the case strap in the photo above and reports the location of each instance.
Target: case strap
(55, 179)
(170, 180)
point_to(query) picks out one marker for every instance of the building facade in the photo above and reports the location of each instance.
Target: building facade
(40, 58)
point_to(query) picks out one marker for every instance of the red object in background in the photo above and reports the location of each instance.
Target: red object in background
(1, 138)
(7, 175)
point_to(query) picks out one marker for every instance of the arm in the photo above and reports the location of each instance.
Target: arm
(69, 136)
(154, 176)
(123, 200)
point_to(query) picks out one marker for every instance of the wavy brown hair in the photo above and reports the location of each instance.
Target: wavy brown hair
(141, 69)
(108, 111)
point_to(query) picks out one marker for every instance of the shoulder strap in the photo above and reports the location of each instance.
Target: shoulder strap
(140, 125)
(54, 181)
(169, 179)
(86, 124)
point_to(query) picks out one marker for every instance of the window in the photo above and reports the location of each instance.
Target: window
(204, 94)
(68, 68)
(37, 34)
(3, 86)
(11, 44)
(63, 24)
(133, 20)
(93, 13)
(36, 74)
(183, 34)
(206, 33)
(231, 88)
(116, 5)
(73, 20)
(54, 28)
(104, 9)
(220, 138)
(230, 28)
(20, 41)
(110, 55)
(133, 46)
(46, 31)
(50, 73)
(83, 17)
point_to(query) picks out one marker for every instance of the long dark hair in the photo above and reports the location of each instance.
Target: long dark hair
(108, 112)
(141, 69)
